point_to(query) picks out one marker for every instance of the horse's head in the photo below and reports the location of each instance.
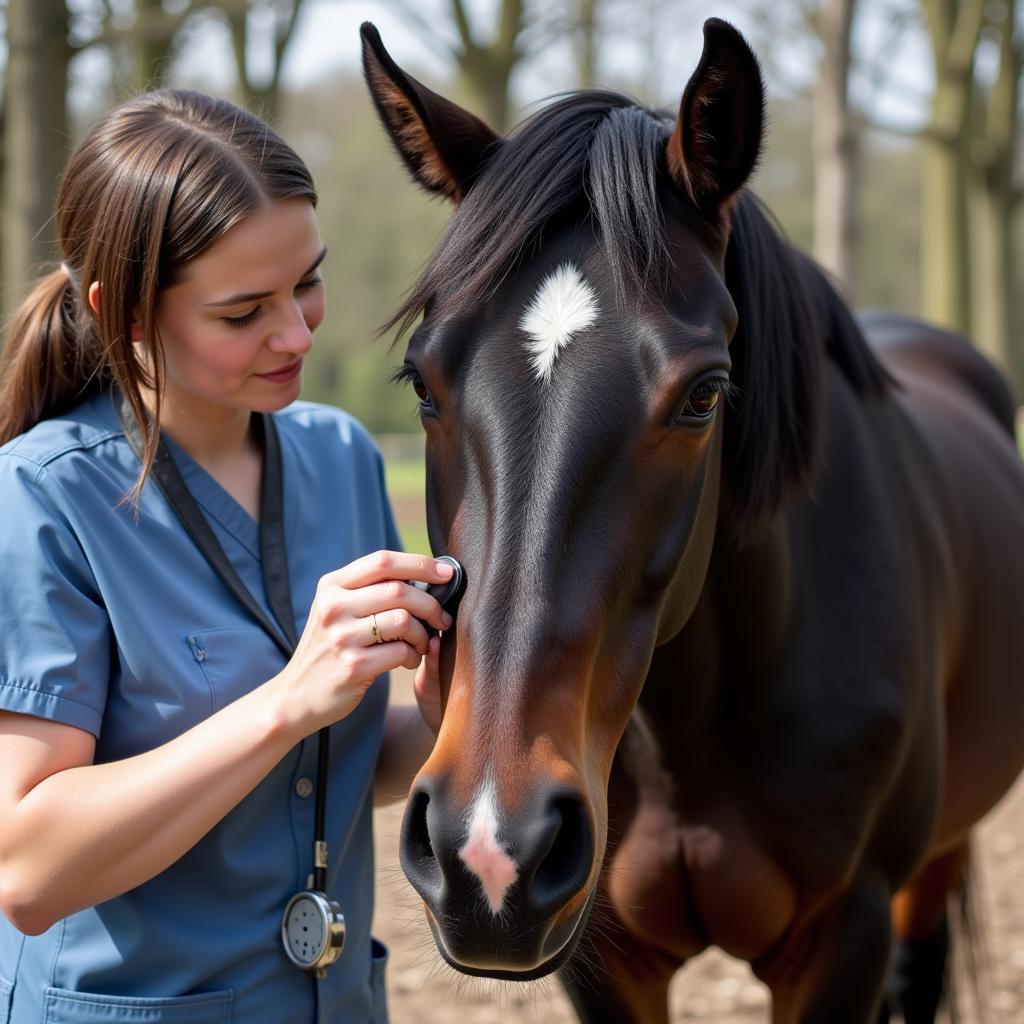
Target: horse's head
(572, 363)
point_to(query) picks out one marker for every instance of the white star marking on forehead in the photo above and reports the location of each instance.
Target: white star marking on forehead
(563, 306)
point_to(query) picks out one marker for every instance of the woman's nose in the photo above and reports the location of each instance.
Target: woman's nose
(295, 334)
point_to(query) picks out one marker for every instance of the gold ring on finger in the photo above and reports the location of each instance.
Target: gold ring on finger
(375, 630)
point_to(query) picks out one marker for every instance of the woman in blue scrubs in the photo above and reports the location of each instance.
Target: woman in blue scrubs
(159, 751)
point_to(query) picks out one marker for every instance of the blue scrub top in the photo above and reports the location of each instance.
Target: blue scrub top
(121, 628)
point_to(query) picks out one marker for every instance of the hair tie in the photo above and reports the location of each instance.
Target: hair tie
(72, 276)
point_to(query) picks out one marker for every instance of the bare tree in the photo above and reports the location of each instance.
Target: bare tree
(485, 67)
(836, 125)
(35, 133)
(836, 148)
(152, 53)
(587, 35)
(954, 28)
(278, 19)
(486, 59)
(996, 202)
(142, 36)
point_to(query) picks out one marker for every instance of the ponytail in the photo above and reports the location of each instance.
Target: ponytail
(52, 359)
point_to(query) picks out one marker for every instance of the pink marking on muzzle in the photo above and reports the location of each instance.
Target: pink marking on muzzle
(484, 857)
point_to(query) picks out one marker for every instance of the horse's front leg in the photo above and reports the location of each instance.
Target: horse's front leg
(615, 978)
(831, 968)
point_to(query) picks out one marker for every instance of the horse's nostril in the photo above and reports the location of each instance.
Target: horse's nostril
(416, 833)
(563, 869)
(563, 856)
(416, 850)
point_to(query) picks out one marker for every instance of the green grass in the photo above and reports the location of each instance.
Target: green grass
(405, 477)
(405, 482)
(414, 539)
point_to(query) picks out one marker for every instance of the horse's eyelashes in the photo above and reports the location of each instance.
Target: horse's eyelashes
(408, 374)
(702, 400)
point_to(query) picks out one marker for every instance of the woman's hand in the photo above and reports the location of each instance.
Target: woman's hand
(427, 686)
(338, 655)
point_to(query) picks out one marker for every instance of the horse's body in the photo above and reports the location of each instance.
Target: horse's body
(863, 712)
(726, 673)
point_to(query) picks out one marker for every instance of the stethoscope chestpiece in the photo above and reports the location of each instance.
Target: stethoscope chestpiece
(448, 594)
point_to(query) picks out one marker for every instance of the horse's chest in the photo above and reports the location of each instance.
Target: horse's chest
(683, 886)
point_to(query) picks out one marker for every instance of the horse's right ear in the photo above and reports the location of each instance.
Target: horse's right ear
(444, 146)
(717, 138)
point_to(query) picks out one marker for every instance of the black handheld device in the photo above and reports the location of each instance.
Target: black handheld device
(447, 594)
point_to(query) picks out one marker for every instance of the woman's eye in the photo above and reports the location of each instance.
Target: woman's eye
(703, 399)
(304, 286)
(241, 321)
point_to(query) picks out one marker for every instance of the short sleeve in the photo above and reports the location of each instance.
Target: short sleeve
(56, 637)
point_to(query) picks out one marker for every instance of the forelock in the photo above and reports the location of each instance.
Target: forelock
(592, 154)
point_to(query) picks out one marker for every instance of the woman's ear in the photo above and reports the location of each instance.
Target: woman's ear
(93, 298)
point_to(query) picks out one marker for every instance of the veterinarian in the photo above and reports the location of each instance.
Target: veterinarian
(201, 596)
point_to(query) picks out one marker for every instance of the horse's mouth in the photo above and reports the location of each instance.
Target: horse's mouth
(551, 964)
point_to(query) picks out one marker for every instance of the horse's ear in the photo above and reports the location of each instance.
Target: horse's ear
(444, 146)
(717, 138)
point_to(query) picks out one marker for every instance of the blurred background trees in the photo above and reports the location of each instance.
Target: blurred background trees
(893, 151)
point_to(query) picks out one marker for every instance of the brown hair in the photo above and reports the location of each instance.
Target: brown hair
(152, 186)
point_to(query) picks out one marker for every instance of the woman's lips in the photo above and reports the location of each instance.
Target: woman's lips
(289, 372)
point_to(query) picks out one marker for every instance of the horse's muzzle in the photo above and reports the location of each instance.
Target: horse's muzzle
(506, 894)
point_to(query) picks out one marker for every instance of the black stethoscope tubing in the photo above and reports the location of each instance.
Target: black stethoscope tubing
(274, 567)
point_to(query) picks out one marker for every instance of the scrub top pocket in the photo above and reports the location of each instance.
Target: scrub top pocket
(234, 660)
(63, 1007)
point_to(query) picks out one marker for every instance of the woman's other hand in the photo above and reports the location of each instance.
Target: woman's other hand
(427, 686)
(338, 655)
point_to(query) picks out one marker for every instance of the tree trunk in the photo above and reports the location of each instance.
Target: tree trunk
(993, 211)
(487, 69)
(152, 53)
(263, 98)
(945, 256)
(35, 135)
(587, 29)
(836, 146)
(955, 27)
(489, 82)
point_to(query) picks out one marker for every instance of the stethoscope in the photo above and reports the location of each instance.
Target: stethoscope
(313, 925)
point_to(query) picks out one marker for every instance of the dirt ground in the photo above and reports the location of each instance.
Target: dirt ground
(713, 988)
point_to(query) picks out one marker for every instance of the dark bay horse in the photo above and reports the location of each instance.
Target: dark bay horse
(739, 662)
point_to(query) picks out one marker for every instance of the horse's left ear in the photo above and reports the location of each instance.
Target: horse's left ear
(717, 138)
(444, 146)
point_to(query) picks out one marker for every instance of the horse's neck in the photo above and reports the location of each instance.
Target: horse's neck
(735, 640)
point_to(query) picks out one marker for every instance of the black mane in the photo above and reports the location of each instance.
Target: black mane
(790, 319)
(596, 154)
(590, 152)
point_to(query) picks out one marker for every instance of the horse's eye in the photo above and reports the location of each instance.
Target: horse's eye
(421, 391)
(701, 401)
(704, 399)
